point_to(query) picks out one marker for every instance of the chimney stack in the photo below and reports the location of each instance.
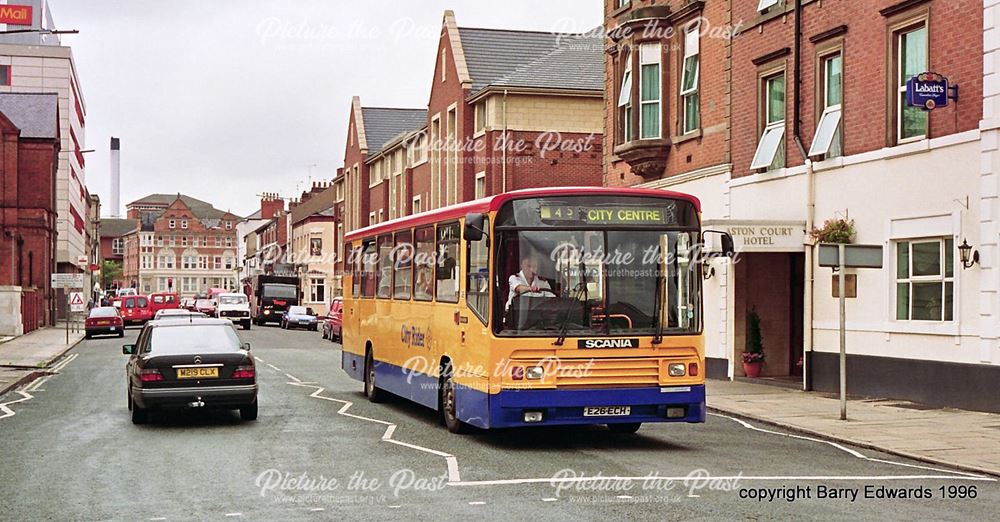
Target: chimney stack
(116, 179)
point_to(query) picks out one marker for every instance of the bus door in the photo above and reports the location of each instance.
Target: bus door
(449, 330)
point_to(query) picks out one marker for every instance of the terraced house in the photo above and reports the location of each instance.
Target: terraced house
(783, 115)
(507, 109)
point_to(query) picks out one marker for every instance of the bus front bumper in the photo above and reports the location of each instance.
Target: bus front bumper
(508, 408)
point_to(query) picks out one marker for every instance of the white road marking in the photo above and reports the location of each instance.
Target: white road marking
(258, 359)
(158, 518)
(7, 412)
(477, 503)
(452, 462)
(550, 499)
(551, 480)
(624, 497)
(848, 450)
(292, 377)
(275, 368)
(317, 509)
(234, 514)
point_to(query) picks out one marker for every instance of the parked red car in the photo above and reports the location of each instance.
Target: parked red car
(205, 306)
(104, 320)
(163, 301)
(135, 309)
(333, 323)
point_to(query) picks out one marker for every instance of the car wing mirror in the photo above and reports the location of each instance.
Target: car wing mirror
(309, 311)
(246, 346)
(128, 349)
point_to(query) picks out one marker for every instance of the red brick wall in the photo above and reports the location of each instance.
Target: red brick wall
(444, 94)
(956, 44)
(354, 155)
(533, 160)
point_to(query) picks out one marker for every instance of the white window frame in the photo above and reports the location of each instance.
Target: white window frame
(417, 205)
(764, 5)
(774, 132)
(481, 120)
(480, 179)
(171, 223)
(371, 218)
(314, 284)
(941, 278)
(832, 114)
(692, 49)
(656, 50)
(625, 104)
(900, 70)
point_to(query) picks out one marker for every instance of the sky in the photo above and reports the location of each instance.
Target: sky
(225, 99)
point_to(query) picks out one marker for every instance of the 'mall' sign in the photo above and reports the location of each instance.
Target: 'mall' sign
(15, 14)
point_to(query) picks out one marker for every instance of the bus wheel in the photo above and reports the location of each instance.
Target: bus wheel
(449, 410)
(627, 427)
(371, 391)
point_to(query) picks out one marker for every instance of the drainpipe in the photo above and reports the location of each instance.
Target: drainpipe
(503, 167)
(807, 320)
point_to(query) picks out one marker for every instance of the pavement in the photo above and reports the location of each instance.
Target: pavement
(961, 439)
(25, 357)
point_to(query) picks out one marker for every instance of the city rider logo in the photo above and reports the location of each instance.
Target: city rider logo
(608, 343)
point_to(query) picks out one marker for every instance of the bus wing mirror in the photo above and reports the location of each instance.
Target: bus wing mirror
(728, 248)
(474, 224)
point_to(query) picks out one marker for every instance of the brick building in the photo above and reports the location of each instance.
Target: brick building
(507, 110)
(29, 137)
(810, 124)
(183, 245)
(39, 62)
(113, 233)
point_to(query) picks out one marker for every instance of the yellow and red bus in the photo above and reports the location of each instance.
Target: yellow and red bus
(535, 307)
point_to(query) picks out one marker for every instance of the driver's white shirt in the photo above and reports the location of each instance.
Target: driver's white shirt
(518, 279)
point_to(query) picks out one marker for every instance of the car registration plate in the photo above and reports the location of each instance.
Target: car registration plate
(606, 411)
(112, 328)
(197, 373)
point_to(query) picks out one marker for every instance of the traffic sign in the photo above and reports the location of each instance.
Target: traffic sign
(76, 303)
(67, 280)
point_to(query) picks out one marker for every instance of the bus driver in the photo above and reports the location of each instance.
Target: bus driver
(527, 283)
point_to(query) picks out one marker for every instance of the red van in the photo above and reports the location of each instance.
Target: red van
(162, 301)
(135, 309)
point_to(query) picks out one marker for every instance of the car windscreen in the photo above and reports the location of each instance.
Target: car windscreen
(204, 302)
(297, 310)
(104, 311)
(194, 338)
(232, 299)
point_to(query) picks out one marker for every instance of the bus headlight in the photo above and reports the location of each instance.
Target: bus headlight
(533, 416)
(535, 373)
(676, 369)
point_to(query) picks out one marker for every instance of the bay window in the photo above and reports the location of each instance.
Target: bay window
(689, 81)
(649, 91)
(625, 102)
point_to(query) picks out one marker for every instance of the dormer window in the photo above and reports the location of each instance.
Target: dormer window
(184, 224)
(172, 223)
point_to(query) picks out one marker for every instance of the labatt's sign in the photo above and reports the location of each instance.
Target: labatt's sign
(928, 91)
(15, 14)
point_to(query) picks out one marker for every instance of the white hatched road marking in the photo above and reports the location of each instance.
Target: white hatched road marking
(454, 476)
(25, 391)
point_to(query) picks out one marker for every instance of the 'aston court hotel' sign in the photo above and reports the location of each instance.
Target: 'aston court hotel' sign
(762, 236)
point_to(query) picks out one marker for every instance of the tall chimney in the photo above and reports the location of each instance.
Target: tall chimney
(116, 178)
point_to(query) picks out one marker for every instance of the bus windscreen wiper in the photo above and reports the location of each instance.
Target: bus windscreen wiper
(580, 290)
(657, 305)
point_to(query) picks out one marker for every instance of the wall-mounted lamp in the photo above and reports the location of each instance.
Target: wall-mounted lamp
(707, 271)
(967, 255)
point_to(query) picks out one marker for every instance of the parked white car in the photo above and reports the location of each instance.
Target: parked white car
(235, 307)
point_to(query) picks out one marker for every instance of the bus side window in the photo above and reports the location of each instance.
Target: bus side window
(355, 261)
(477, 287)
(446, 269)
(384, 267)
(423, 281)
(402, 264)
(369, 265)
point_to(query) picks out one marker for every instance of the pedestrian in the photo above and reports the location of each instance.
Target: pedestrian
(90, 304)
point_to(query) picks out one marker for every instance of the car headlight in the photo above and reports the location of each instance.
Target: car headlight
(676, 370)
(267, 312)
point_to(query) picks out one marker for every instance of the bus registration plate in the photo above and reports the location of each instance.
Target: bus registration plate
(606, 411)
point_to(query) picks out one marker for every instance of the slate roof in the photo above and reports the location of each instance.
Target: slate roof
(576, 63)
(201, 209)
(36, 114)
(383, 124)
(113, 227)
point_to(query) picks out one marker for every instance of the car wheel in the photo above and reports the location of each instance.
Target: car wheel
(121, 334)
(249, 412)
(88, 336)
(246, 325)
(128, 395)
(314, 328)
(371, 390)
(627, 427)
(139, 415)
(449, 408)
